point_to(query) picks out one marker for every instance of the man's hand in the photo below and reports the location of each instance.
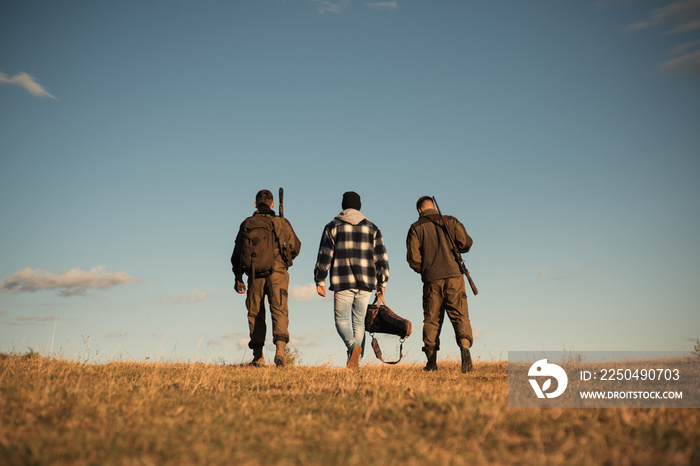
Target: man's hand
(240, 287)
(380, 290)
(321, 290)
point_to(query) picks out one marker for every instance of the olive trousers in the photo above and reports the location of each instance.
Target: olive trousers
(445, 296)
(275, 289)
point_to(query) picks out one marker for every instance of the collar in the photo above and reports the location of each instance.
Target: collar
(429, 212)
(264, 209)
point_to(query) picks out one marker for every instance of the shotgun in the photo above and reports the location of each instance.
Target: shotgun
(455, 251)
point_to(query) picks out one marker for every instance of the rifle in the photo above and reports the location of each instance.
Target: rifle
(283, 246)
(455, 251)
(281, 196)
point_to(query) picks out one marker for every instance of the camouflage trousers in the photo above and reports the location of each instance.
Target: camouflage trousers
(445, 296)
(274, 288)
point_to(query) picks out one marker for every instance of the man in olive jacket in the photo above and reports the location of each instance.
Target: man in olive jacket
(274, 286)
(429, 253)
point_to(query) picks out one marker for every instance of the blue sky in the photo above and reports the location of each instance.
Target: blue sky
(134, 136)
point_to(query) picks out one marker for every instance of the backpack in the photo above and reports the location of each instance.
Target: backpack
(258, 247)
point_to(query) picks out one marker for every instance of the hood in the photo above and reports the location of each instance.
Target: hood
(351, 216)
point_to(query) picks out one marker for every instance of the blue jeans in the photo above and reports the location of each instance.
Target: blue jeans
(350, 310)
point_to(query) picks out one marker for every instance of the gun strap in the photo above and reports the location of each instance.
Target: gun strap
(442, 226)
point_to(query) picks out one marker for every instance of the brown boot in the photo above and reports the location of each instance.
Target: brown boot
(258, 359)
(354, 359)
(432, 361)
(280, 358)
(467, 365)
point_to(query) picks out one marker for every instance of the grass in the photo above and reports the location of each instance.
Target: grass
(59, 412)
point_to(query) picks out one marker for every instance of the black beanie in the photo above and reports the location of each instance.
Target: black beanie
(351, 200)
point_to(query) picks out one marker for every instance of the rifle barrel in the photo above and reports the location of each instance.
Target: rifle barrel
(455, 251)
(281, 199)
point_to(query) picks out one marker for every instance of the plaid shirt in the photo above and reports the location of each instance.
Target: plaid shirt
(355, 255)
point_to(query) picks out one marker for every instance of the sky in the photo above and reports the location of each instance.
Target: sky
(134, 135)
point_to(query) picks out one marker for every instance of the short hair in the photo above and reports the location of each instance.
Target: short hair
(423, 201)
(264, 196)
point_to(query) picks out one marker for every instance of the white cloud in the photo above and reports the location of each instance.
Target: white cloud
(680, 17)
(685, 13)
(572, 273)
(194, 296)
(638, 26)
(19, 321)
(243, 343)
(303, 293)
(686, 26)
(681, 49)
(71, 282)
(307, 340)
(339, 6)
(384, 5)
(687, 65)
(27, 82)
(331, 6)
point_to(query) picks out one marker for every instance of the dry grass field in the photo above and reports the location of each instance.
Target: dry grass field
(59, 412)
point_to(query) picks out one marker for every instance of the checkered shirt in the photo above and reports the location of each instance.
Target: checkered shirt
(355, 255)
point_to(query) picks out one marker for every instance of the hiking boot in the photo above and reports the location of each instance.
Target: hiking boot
(467, 365)
(279, 355)
(432, 362)
(354, 360)
(258, 359)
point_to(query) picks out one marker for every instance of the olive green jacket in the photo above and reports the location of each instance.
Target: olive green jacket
(428, 249)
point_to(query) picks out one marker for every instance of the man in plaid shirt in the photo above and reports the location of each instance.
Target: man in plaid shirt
(352, 248)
